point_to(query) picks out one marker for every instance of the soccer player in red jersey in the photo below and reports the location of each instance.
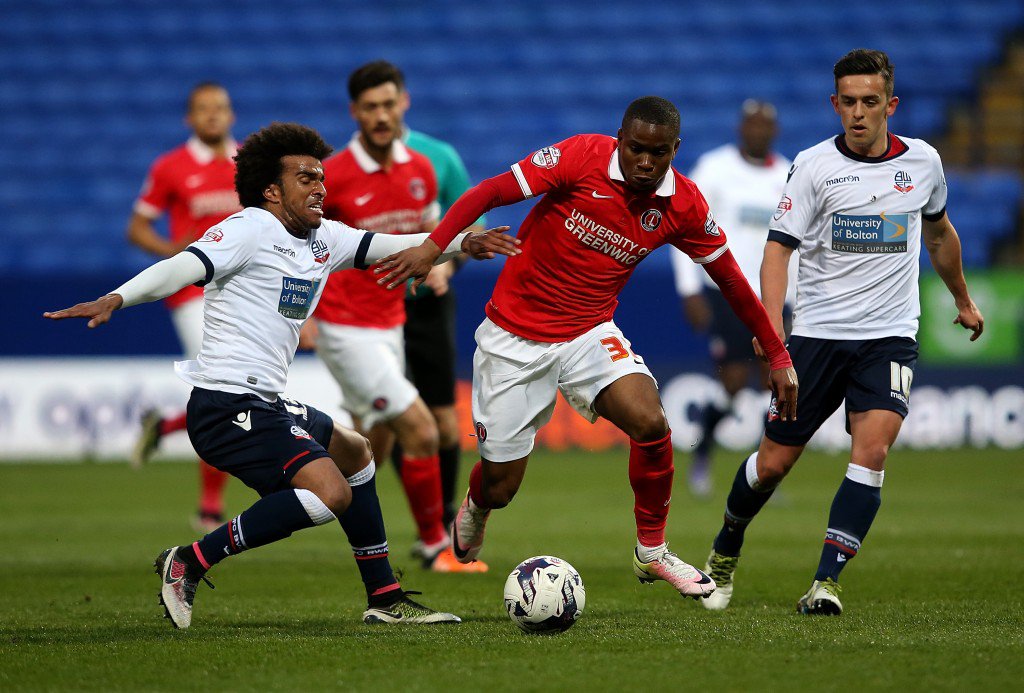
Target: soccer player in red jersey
(195, 186)
(608, 202)
(379, 184)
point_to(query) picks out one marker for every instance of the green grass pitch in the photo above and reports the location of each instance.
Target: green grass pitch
(933, 601)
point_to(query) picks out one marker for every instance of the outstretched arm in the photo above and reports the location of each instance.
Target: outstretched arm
(943, 246)
(416, 262)
(151, 284)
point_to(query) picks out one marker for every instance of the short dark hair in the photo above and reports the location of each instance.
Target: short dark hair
(864, 61)
(373, 75)
(259, 158)
(654, 110)
(202, 86)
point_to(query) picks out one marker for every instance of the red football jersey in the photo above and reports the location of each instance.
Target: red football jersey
(363, 195)
(581, 242)
(196, 190)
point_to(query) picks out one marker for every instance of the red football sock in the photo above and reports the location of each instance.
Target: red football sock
(476, 480)
(211, 489)
(170, 424)
(650, 475)
(421, 477)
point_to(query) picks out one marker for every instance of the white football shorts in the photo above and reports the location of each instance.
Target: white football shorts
(516, 380)
(369, 365)
(188, 323)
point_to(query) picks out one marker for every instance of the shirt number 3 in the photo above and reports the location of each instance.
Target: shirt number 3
(615, 348)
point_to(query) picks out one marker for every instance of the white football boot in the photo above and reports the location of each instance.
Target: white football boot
(468, 531)
(822, 599)
(689, 581)
(177, 587)
(721, 569)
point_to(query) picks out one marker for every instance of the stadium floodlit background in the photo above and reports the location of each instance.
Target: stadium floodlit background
(93, 91)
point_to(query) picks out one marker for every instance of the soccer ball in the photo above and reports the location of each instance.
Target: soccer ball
(544, 594)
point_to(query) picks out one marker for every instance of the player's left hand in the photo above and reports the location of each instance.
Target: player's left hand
(482, 245)
(785, 387)
(970, 318)
(97, 311)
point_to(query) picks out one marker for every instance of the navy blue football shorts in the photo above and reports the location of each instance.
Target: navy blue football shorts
(264, 444)
(867, 373)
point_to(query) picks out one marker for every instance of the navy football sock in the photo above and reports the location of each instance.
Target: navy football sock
(853, 510)
(269, 519)
(745, 500)
(364, 526)
(449, 477)
(710, 417)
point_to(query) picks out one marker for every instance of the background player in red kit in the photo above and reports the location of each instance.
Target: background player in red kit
(379, 184)
(608, 202)
(195, 186)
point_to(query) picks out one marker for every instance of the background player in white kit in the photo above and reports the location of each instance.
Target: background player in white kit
(264, 271)
(742, 182)
(856, 208)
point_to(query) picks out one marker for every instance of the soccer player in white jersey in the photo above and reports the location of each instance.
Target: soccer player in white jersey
(856, 208)
(264, 270)
(742, 182)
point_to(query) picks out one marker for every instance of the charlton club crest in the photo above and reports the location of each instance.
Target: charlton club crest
(650, 220)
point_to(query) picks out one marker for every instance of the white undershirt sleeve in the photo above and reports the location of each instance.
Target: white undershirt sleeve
(162, 279)
(384, 244)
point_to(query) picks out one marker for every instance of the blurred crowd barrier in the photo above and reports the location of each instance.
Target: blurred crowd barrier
(89, 408)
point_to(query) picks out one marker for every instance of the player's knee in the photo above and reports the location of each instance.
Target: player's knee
(872, 456)
(771, 470)
(648, 427)
(350, 450)
(423, 439)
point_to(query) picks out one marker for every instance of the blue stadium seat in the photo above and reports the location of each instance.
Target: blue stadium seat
(99, 90)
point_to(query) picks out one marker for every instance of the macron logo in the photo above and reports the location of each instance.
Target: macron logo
(243, 421)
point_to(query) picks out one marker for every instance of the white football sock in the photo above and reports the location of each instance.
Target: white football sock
(646, 554)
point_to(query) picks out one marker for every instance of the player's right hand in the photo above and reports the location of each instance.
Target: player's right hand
(411, 262)
(97, 311)
(785, 387)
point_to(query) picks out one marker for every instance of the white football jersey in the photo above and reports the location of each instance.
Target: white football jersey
(856, 223)
(261, 285)
(743, 197)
